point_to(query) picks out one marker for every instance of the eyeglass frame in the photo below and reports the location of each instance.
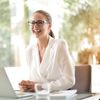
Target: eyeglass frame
(38, 22)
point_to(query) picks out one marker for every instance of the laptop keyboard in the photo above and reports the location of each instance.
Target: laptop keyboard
(20, 93)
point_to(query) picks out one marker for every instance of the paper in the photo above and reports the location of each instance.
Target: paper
(64, 93)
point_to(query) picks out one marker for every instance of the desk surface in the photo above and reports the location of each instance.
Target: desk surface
(85, 96)
(94, 97)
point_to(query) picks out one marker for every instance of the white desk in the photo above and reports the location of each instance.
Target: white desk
(95, 97)
(28, 98)
(34, 98)
(74, 97)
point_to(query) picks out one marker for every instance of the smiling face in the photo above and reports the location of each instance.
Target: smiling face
(40, 25)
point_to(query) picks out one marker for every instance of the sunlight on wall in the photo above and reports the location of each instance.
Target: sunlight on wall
(18, 45)
(19, 49)
(17, 11)
(85, 44)
(97, 39)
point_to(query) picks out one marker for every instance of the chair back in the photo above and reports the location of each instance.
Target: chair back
(83, 78)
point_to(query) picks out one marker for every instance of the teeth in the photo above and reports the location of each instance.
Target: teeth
(37, 30)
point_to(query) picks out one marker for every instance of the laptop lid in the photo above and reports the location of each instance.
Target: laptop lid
(6, 89)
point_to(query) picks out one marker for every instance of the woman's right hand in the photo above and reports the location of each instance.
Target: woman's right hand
(27, 86)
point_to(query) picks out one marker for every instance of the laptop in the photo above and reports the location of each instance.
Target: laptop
(6, 89)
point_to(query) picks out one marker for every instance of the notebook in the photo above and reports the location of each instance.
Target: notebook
(6, 88)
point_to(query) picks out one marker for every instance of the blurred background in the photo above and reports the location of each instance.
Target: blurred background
(77, 21)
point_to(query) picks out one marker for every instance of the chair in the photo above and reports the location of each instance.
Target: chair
(83, 78)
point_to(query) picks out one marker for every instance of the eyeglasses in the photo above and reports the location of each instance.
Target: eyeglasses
(37, 22)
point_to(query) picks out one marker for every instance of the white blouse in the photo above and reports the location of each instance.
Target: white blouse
(56, 68)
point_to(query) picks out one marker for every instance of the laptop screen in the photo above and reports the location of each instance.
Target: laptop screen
(6, 88)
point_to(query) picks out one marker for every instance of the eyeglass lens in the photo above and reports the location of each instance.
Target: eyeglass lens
(38, 22)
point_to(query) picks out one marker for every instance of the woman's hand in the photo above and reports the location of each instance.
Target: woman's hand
(26, 85)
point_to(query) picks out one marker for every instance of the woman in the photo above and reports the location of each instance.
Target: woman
(48, 59)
